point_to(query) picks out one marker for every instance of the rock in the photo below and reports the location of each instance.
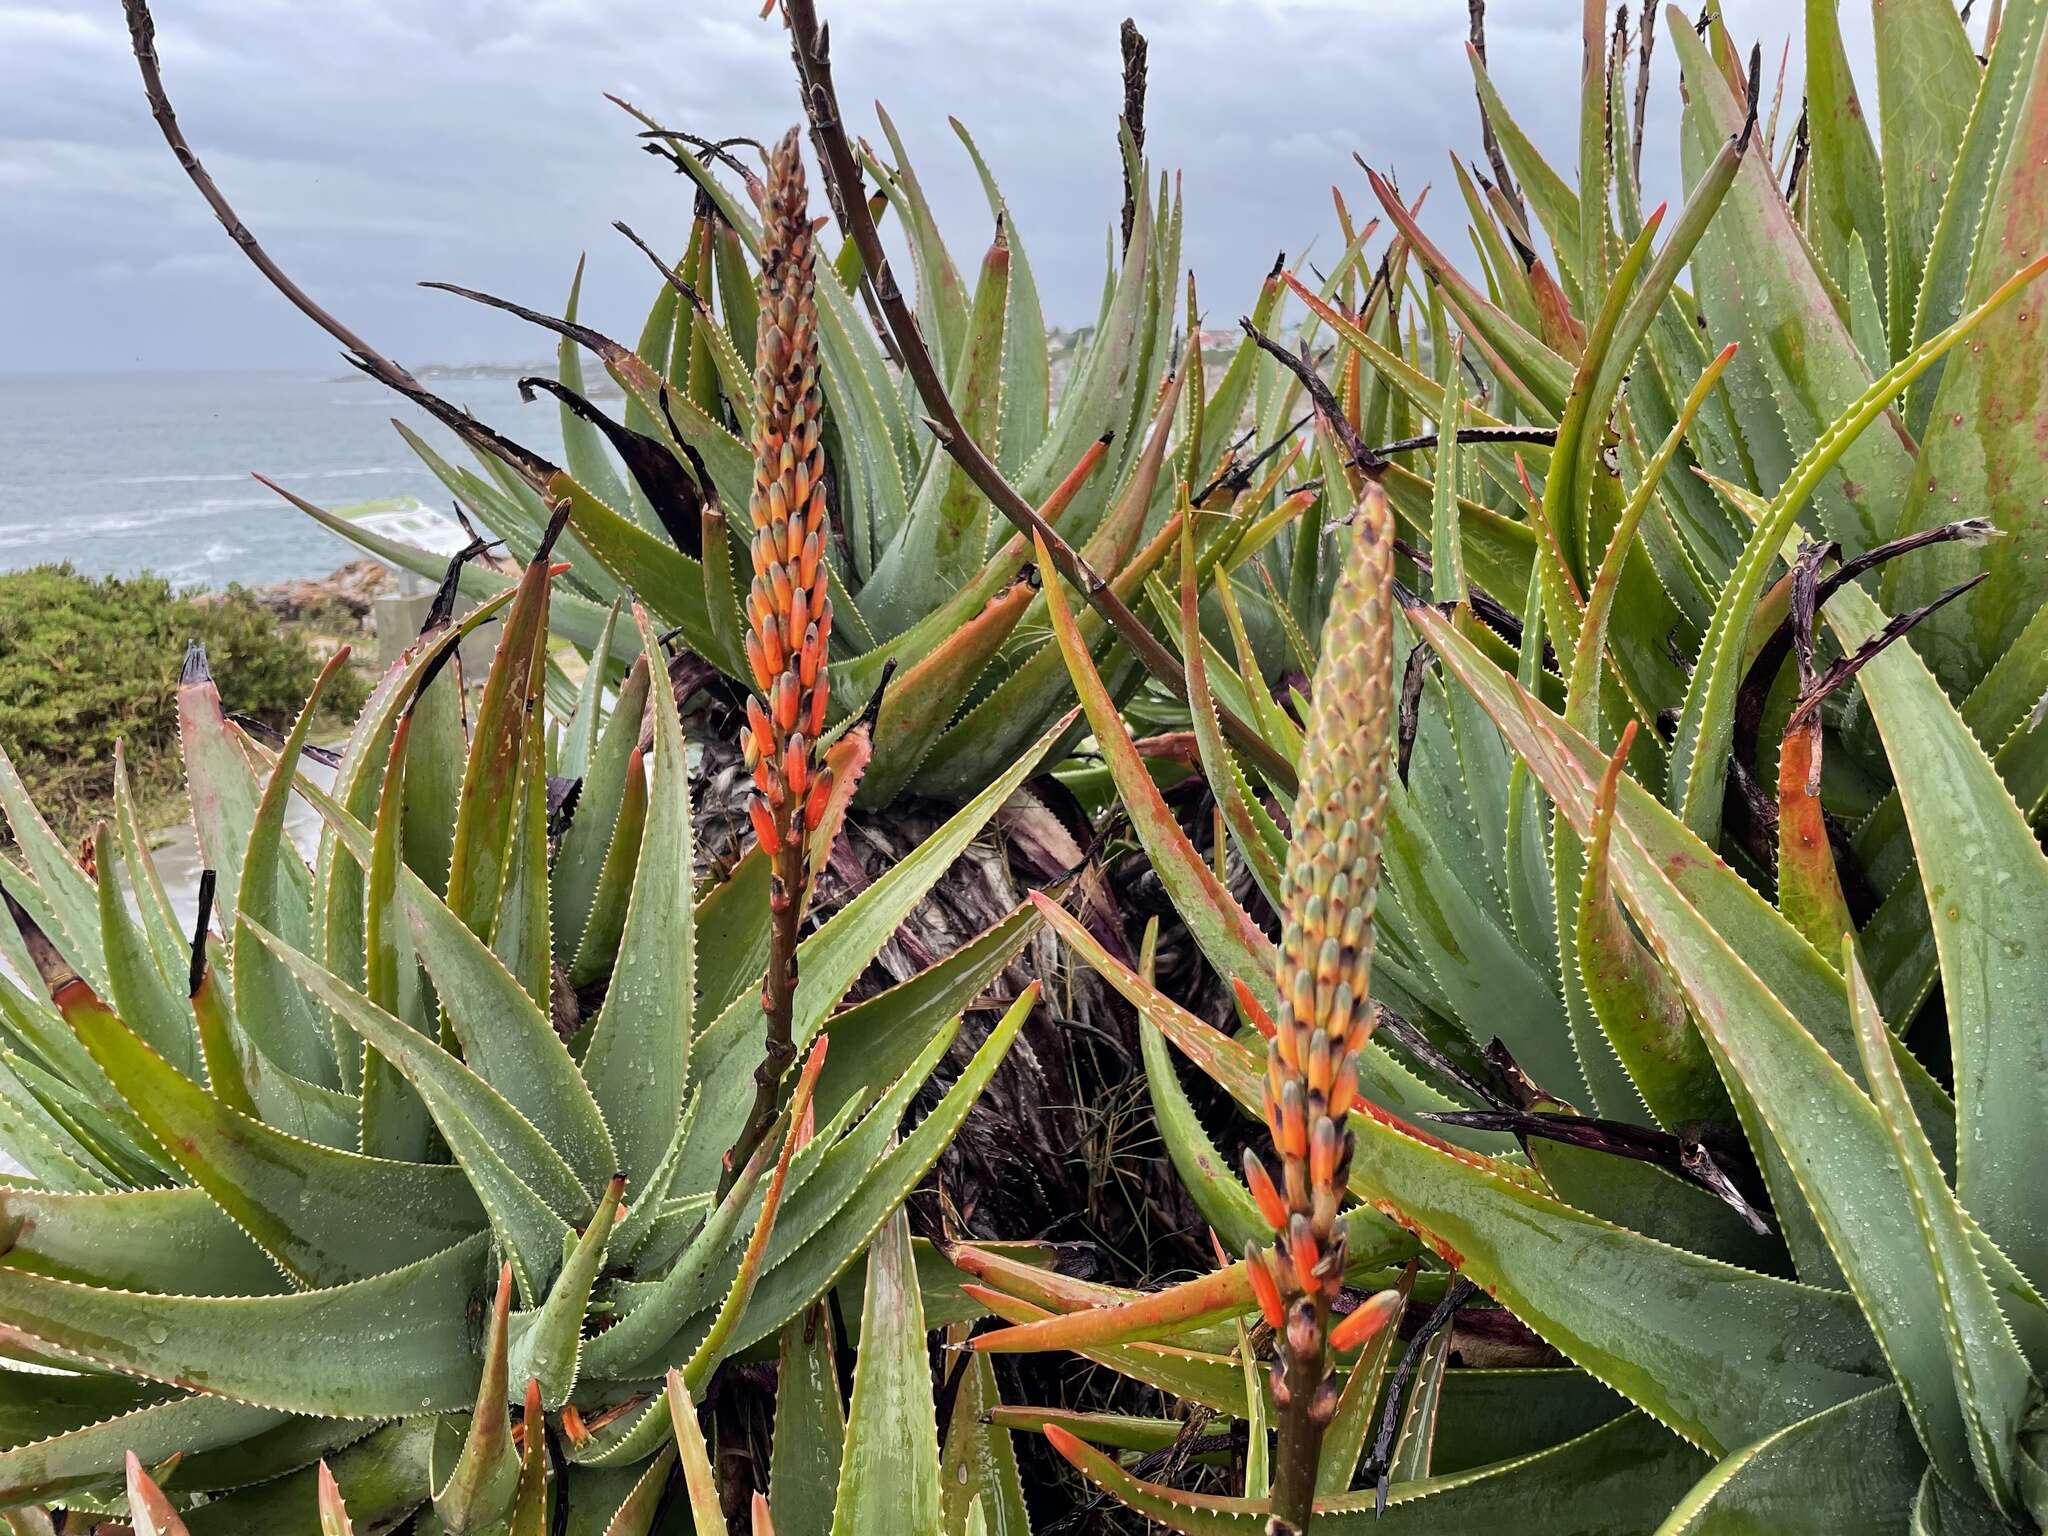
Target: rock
(351, 590)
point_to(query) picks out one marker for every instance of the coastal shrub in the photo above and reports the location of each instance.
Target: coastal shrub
(89, 661)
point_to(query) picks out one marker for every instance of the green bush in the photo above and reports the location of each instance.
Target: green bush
(89, 661)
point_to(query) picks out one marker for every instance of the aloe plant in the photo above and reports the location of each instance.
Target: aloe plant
(490, 1048)
(1642, 1070)
(938, 628)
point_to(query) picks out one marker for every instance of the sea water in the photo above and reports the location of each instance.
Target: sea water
(125, 472)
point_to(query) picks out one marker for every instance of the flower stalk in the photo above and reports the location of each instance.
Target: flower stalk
(1325, 1015)
(789, 614)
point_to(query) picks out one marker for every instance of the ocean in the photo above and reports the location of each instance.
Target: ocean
(125, 472)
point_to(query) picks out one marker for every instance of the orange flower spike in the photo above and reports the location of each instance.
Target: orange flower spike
(1323, 976)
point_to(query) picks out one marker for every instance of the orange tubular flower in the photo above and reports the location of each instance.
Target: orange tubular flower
(1324, 1017)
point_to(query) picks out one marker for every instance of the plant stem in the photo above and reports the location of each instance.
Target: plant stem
(778, 1003)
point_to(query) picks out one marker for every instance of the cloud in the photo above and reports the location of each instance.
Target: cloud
(373, 143)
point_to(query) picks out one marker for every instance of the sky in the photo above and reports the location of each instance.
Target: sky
(374, 143)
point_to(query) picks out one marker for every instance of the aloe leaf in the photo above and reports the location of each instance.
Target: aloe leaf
(1992, 1382)
(655, 1314)
(712, 1348)
(463, 1104)
(1978, 449)
(731, 939)
(1252, 828)
(917, 706)
(382, 1477)
(1524, 364)
(1417, 1438)
(165, 1240)
(945, 538)
(582, 444)
(597, 951)
(142, 994)
(1927, 79)
(890, 1479)
(978, 1469)
(1226, 1205)
(1756, 281)
(1821, 1351)
(394, 1122)
(54, 887)
(1027, 372)
(1700, 755)
(796, 1278)
(219, 782)
(547, 1345)
(1355, 1419)
(394, 1345)
(1629, 1471)
(159, 922)
(533, 1497)
(334, 1519)
(706, 1514)
(1835, 1144)
(1229, 938)
(1986, 880)
(810, 1425)
(1582, 693)
(282, 1021)
(879, 1040)
(148, 1510)
(477, 1492)
(326, 1216)
(1853, 1467)
(105, 1418)
(575, 619)
(507, 1041)
(520, 929)
(637, 1061)
(505, 712)
(1845, 185)
(988, 737)
(647, 564)
(1567, 766)
(1640, 1009)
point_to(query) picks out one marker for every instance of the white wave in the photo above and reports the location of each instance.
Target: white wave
(19, 535)
(304, 474)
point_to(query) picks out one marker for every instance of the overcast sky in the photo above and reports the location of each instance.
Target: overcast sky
(373, 143)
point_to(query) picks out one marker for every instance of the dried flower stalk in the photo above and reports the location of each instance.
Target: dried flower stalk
(1325, 1014)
